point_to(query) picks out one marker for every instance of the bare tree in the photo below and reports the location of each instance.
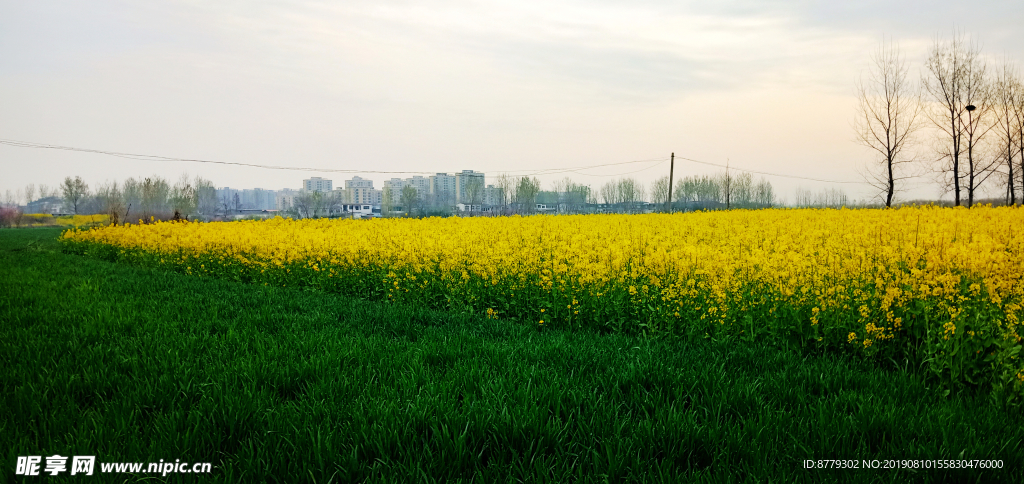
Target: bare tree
(153, 193)
(30, 193)
(1018, 115)
(111, 201)
(980, 122)
(74, 191)
(659, 191)
(743, 190)
(574, 195)
(610, 193)
(887, 120)
(725, 186)
(183, 198)
(764, 194)
(1006, 91)
(631, 193)
(507, 185)
(304, 204)
(474, 190)
(131, 190)
(206, 196)
(332, 202)
(957, 86)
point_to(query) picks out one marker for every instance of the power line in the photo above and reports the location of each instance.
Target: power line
(578, 170)
(135, 156)
(768, 173)
(547, 171)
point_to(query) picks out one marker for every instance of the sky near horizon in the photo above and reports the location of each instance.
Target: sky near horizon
(444, 85)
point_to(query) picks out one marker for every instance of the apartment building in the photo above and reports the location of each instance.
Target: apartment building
(469, 184)
(285, 199)
(317, 184)
(493, 196)
(258, 199)
(359, 190)
(442, 188)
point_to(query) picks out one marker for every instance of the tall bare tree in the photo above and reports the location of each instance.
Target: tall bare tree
(154, 193)
(30, 193)
(743, 190)
(610, 193)
(304, 204)
(1007, 91)
(206, 196)
(764, 195)
(111, 201)
(1018, 115)
(724, 181)
(474, 191)
(183, 198)
(888, 115)
(659, 191)
(507, 185)
(956, 85)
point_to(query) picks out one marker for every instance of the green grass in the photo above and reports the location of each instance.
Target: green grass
(282, 385)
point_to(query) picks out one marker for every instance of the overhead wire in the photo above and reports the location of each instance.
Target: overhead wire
(547, 171)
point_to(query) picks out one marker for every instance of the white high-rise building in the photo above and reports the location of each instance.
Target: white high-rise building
(493, 196)
(469, 184)
(259, 199)
(359, 190)
(285, 199)
(420, 183)
(317, 184)
(358, 182)
(442, 188)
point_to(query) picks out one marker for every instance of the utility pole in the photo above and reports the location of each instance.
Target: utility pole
(671, 168)
(728, 184)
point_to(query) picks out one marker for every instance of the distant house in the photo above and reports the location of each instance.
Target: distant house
(359, 210)
(50, 205)
(254, 213)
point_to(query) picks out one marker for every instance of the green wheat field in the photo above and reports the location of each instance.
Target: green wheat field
(288, 385)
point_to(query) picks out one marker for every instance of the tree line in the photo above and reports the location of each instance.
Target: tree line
(145, 199)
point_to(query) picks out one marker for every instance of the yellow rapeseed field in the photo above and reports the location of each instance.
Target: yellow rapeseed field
(939, 285)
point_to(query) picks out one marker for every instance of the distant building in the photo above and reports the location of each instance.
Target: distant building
(358, 210)
(493, 196)
(420, 183)
(259, 199)
(317, 184)
(359, 190)
(285, 199)
(466, 183)
(395, 186)
(358, 182)
(229, 199)
(442, 188)
(50, 205)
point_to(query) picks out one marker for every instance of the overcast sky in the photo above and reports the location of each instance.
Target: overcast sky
(441, 85)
